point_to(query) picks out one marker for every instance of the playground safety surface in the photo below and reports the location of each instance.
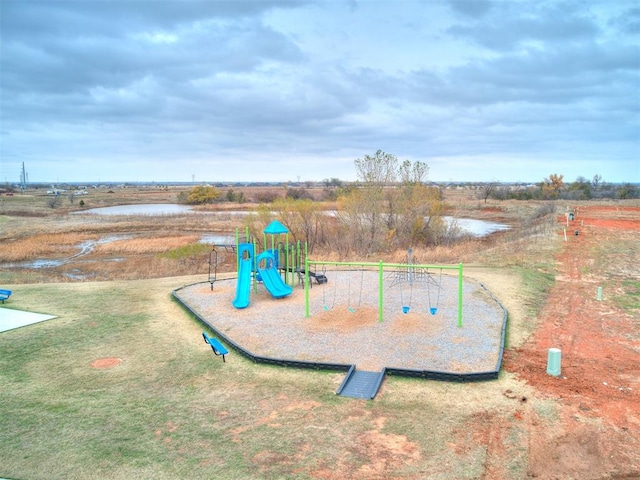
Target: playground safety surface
(344, 327)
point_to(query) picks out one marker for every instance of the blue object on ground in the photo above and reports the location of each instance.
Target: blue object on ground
(4, 294)
(216, 346)
(271, 277)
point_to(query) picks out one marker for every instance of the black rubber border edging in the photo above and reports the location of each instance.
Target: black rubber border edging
(342, 367)
(281, 362)
(461, 377)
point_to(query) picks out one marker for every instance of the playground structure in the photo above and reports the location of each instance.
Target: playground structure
(274, 268)
(417, 310)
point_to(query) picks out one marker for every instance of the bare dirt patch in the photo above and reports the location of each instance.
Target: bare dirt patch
(327, 320)
(103, 363)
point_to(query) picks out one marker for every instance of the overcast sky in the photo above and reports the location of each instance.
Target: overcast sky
(276, 90)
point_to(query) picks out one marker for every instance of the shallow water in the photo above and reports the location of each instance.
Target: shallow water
(85, 248)
(477, 228)
(145, 209)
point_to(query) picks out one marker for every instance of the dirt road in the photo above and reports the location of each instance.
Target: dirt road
(597, 434)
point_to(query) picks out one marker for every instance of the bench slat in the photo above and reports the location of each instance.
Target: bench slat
(4, 294)
(216, 346)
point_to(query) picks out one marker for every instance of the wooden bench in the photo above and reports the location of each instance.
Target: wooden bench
(216, 346)
(4, 294)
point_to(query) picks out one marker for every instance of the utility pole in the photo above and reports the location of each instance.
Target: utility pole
(23, 180)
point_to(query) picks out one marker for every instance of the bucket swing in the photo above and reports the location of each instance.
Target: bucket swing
(324, 293)
(351, 308)
(406, 307)
(433, 309)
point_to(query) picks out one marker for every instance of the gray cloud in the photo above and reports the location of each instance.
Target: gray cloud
(475, 8)
(198, 86)
(513, 24)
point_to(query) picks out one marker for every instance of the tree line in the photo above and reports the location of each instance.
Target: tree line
(554, 187)
(391, 206)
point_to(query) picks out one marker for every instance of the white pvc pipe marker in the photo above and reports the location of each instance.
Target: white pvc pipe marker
(553, 362)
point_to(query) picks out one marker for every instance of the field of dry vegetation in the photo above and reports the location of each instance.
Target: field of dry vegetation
(75, 246)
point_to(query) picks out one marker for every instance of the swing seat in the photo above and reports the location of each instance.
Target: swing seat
(405, 309)
(433, 310)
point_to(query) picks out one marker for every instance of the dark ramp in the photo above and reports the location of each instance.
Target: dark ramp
(361, 384)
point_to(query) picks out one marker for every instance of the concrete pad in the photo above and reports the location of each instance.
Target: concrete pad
(10, 318)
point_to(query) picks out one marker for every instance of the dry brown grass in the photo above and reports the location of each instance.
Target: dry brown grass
(146, 245)
(42, 246)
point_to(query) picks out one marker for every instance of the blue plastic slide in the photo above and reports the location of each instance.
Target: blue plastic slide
(243, 286)
(270, 276)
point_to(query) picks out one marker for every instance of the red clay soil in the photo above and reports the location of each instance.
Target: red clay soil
(108, 362)
(597, 433)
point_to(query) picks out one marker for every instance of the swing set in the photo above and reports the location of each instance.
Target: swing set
(350, 307)
(411, 277)
(402, 274)
(410, 273)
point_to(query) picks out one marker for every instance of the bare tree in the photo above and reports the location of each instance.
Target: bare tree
(413, 173)
(486, 190)
(596, 182)
(53, 200)
(381, 211)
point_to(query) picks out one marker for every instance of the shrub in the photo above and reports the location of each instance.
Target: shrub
(266, 196)
(199, 195)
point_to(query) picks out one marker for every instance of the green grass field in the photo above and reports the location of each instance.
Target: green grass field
(171, 409)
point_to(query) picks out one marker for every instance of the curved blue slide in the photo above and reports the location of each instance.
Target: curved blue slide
(270, 276)
(243, 286)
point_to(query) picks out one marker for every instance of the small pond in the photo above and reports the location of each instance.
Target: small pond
(144, 209)
(218, 239)
(477, 228)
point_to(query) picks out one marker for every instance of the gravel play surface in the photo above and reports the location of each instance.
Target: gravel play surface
(344, 325)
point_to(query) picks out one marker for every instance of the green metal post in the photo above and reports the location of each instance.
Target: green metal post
(255, 267)
(460, 285)
(287, 263)
(306, 287)
(287, 278)
(381, 290)
(381, 266)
